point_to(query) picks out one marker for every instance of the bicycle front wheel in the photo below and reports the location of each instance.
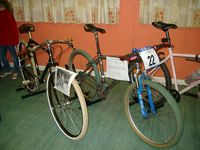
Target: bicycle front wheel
(69, 112)
(88, 75)
(161, 129)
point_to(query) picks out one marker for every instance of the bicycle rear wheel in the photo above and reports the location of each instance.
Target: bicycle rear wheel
(161, 75)
(26, 69)
(88, 76)
(163, 129)
(69, 112)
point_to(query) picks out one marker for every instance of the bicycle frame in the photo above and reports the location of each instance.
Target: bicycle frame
(94, 65)
(28, 28)
(33, 59)
(170, 58)
(38, 78)
(99, 57)
(166, 43)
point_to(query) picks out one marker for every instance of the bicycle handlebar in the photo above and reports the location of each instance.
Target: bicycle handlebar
(129, 57)
(196, 59)
(160, 46)
(46, 44)
(134, 55)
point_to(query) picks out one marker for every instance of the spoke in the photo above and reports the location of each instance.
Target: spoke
(73, 122)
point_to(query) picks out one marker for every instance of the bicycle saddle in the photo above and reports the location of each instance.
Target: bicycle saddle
(25, 28)
(92, 28)
(164, 26)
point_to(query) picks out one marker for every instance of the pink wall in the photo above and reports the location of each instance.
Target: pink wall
(121, 38)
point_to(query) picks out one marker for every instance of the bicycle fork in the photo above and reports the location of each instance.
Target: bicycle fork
(140, 88)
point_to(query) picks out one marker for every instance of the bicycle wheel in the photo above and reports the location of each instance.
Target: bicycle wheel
(88, 75)
(69, 112)
(159, 74)
(26, 69)
(162, 129)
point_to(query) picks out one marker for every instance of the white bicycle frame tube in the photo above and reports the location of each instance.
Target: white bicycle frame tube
(171, 58)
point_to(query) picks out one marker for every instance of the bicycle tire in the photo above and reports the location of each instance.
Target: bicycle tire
(166, 74)
(26, 69)
(73, 124)
(167, 82)
(88, 76)
(166, 124)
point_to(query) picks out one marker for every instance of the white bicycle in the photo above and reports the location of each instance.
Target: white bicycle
(166, 43)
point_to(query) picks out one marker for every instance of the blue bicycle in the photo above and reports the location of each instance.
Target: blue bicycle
(159, 124)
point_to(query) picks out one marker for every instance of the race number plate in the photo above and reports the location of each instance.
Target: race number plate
(149, 58)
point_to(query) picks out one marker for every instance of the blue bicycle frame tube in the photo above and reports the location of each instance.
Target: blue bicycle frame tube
(153, 110)
(151, 102)
(139, 93)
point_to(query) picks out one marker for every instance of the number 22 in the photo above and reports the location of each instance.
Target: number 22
(151, 60)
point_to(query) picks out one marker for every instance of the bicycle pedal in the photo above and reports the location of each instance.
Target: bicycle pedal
(25, 82)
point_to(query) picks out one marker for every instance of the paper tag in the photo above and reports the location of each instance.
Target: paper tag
(116, 69)
(63, 80)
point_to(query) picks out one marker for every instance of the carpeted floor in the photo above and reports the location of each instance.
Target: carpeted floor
(26, 124)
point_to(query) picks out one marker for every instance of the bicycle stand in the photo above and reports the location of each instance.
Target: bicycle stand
(29, 94)
(89, 103)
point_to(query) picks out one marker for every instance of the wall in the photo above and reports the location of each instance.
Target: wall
(121, 38)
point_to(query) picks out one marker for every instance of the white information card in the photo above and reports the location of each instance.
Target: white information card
(116, 69)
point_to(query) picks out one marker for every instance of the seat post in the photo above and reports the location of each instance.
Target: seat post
(29, 35)
(99, 57)
(168, 37)
(97, 43)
